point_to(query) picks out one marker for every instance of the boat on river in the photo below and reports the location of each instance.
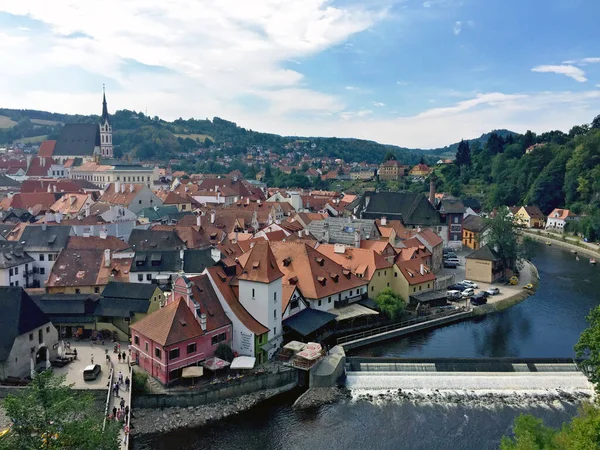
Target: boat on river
(574, 252)
(592, 261)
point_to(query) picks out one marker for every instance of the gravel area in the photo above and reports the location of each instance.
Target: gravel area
(315, 397)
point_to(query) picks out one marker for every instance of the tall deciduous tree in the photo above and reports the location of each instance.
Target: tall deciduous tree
(390, 303)
(588, 347)
(463, 154)
(389, 156)
(49, 415)
(502, 237)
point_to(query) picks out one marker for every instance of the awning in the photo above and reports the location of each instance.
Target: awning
(295, 346)
(268, 346)
(352, 311)
(192, 372)
(243, 362)
(215, 363)
(308, 321)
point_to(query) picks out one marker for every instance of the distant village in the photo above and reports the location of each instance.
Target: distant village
(180, 263)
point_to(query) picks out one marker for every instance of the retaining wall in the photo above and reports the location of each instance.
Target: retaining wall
(203, 397)
(584, 250)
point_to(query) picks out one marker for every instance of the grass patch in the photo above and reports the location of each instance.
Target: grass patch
(201, 137)
(6, 122)
(44, 122)
(31, 140)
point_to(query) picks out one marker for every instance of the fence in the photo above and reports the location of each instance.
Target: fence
(108, 395)
(211, 394)
(396, 326)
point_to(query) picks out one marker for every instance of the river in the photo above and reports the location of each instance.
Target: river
(545, 325)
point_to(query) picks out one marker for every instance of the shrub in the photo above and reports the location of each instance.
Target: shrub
(139, 382)
(224, 352)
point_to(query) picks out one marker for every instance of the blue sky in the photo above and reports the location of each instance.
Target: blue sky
(412, 73)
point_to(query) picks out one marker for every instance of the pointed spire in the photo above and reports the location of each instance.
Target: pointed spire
(105, 117)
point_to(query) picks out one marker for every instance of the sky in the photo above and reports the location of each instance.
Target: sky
(414, 73)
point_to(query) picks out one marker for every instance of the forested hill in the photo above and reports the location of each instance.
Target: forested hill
(147, 137)
(550, 170)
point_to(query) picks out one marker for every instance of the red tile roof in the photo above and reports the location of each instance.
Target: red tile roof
(259, 264)
(46, 148)
(359, 261)
(411, 270)
(39, 166)
(96, 242)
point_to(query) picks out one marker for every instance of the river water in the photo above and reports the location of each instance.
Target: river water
(547, 324)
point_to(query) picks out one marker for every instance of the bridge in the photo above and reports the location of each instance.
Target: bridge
(457, 374)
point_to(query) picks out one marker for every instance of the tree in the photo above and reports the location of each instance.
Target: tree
(389, 156)
(390, 303)
(224, 351)
(502, 237)
(47, 414)
(530, 434)
(596, 122)
(588, 347)
(463, 154)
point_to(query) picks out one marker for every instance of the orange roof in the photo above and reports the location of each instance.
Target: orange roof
(96, 242)
(46, 148)
(39, 166)
(121, 198)
(222, 282)
(44, 200)
(432, 239)
(278, 235)
(378, 246)
(193, 237)
(359, 261)
(171, 198)
(259, 264)
(287, 290)
(70, 204)
(561, 214)
(169, 325)
(315, 274)
(411, 270)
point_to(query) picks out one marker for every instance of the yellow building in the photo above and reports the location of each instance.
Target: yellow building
(173, 198)
(474, 229)
(530, 217)
(484, 265)
(392, 170)
(364, 263)
(412, 277)
(420, 170)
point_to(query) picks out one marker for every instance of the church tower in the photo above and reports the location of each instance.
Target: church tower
(106, 146)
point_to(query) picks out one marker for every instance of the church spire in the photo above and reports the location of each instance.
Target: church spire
(104, 107)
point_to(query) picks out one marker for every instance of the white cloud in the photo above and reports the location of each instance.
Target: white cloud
(583, 61)
(402, 83)
(571, 71)
(378, 104)
(457, 27)
(426, 4)
(351, 88)
(347, 115)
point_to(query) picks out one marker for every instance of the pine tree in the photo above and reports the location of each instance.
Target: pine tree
(463, 154)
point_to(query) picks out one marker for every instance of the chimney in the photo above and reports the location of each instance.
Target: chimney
(117, 186)
(203, 321)
(87, 210)
(213, 215)
(131, 188)
(215, 254)
(122, 188)
(107, 257)
(431, 191)
(357, 239)
(182, 258)
(44, 226)
(383, 221)
(218, 196)
(422, 270)
(48, 217)
(103, 233)
(54, 188)
(198, 220)
(247, 200)
(236, 235)
(49, 188)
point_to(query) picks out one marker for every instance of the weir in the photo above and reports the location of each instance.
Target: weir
(451, 374)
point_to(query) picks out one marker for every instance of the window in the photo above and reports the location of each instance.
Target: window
(47, 329)
(350, 292)
(274, 314)
(395, 274)
(275, 330)
(16, 271)
(50, 257)
(191, 348)
(378, 274)
(149, 277)
(385, 272)
(41, 336)
(96, 290)
(275, 297)
(252, 293)
(158, 353)
(42, 271)
(218, 338)
(16, 283)
(295, 303)
(329, 300)
(140, 202)
(414, 289)
(388, 285)
(31, 336)
(146, 346)
(136, 340)
(427, 285)
(183, 207)
(455, 219)
(10, 272)
(41, 257)
(420, 287)
(372, 288)
(140, 277)
(319, 302)
(78, 291)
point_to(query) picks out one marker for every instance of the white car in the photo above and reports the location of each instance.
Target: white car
(469, 284)
(469, 292)
(493, 291)
(453, 294)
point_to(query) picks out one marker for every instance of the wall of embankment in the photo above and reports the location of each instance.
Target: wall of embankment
(584, 250)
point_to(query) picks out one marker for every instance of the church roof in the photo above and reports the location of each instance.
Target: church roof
(105, 116)
(77, 139)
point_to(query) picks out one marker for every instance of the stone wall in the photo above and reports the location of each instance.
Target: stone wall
(247, 385)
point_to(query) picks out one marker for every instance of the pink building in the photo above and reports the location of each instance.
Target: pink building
(183, 333)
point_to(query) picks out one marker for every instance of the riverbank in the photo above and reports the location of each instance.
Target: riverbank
(316, 397)
(155, 421)
(4, 421)
(580, 248)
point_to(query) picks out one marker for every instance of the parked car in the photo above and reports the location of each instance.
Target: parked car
(91, 372)
(486, 294)
(528, 286)
(514, 280)
(478, 300)
(457, 287)
(450, 264)
(450, 255)
(469, 292)
(453, 260)
(469, 284)
(453, 295)
(493, 291)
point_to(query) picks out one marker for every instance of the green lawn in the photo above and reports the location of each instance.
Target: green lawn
(31, 140)
(44, 122)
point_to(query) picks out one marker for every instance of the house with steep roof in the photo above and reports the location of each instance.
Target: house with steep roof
(435, 245)
(452, 212)
(484, 265)
(412, 276)
(155, 240)
(392, 170)
(364, 263)
(135, 197)
(161, 266)
(530, 217)
(16, 266)
(474, 231)
(28, 340)
(184, 333)
(72, 205)
(347, 231)
(172, 198)
(558, 219)
(420, 170)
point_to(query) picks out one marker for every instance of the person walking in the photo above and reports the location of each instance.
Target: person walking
(127, 382)
(120, 378)
(127, 415)
(114, 412)
(123, 357)
(92, 358)
(117, 389)
(122, 403)
(119, 357)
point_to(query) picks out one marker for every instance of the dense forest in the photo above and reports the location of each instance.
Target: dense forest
(550, 170)
(143, 137)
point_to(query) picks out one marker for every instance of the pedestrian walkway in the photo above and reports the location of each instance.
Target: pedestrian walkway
(120, 400)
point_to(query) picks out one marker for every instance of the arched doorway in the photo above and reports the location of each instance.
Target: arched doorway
(41, 355)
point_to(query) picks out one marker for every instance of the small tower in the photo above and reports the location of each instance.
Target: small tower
(106, 146)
